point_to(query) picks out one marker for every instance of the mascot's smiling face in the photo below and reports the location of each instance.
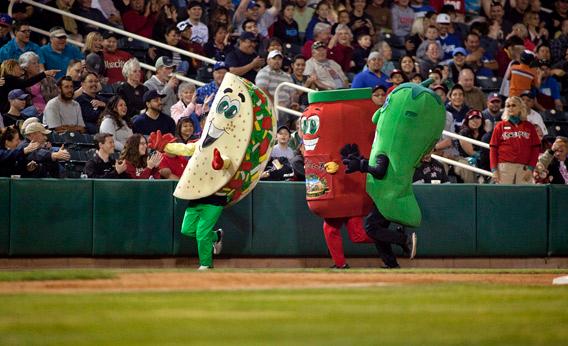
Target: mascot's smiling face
(310, 125)
(226, 109)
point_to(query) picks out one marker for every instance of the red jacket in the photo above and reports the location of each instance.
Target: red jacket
(141, 173)
(514, 144)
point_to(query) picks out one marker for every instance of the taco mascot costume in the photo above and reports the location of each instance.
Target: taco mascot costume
(226, 162)
(408, 126)
(332, 118)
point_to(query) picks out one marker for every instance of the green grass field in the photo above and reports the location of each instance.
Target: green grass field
(433, 314)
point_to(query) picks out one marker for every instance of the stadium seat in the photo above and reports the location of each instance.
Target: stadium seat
(488, 84)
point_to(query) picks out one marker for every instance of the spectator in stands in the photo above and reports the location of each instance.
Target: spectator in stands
(480, 60)
(492, 113)
(58, 52)
(469, 153)
(200, 32)
(102, 165)
(320, 16)
(537, 33)
(41, 92)
(114, 121)
(218, 46)
(270, 76)
(46, 159)
(243, 60)
(94, 56)
(380, 16)
(185, 131)
(361, 52)
(91, 104)
(114, 58)
(448, 38)
(167, 17)
(457, 64)
(430, 61)
(457, 106)
(50, 19)
(281, 149)
(298, 78)
(187, 106)
(523, 76)
(132, 90)
(360, 21)
(321, 33)
(534, 117)
(12, 154)
(511, 51)
(153, 119)
(396, 78)
(430, 172)
(75, 70)
(63, 113)
(139, 19)
(444, 147)
(555, 168)
(84, 8)
(20, 44)
(473, 96)
(140, 165)
(183, 63)
(328, 74)
(372, 76)
(386, 51)
(559, 45)
(17, 99)
(5, 28)
(496, 14)
(11, 73)
(303, 14)
(559, 15)
(549, 90)
(521, 31)
(208, 91)
(164, 82)
(379, 95)
(514, 145)
(408, 66)
(402, 19)
(431, 36)
(543, 52)
(340, 48)
(286, 28)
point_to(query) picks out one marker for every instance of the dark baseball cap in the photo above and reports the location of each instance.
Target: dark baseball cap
(152, 94)
(220, 65)
(17, 94)
(5, 20)
(247, 36)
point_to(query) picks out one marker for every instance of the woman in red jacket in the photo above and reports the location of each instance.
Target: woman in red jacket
(139, 165)
(514, 145)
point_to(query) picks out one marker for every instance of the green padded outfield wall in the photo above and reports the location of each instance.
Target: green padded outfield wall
(236, 222)
(512, 220)
(51, 217)
(558, 221)
(282, 223)
(4, 216)
(133, 218)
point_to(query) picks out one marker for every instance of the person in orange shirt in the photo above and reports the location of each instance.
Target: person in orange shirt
(523, 76)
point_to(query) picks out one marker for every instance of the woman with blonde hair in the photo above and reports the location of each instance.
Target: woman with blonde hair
(341, 49)
(514, 146)
(93, 50)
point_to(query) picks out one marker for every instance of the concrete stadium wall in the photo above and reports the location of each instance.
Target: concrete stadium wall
(119, 218)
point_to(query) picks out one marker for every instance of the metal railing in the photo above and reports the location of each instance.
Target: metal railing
(118, 31)
(278, 108)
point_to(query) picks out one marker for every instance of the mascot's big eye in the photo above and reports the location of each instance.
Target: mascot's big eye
(304, 124)
(223, 104)
(233, 109)
(312, 125)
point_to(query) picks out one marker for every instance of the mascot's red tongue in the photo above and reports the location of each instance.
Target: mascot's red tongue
(217, 162)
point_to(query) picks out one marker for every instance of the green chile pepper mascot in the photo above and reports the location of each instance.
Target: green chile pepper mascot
(408, 126)
(227, 161)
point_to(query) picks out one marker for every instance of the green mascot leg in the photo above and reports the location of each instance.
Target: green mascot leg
(198, 222)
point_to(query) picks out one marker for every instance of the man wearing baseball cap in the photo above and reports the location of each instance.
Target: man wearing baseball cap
(329, 75)
(534, 117)
(492, 113)
(46, 160)
(58, 52)
(243, 61)
(270, 76)
(373, 75)
(153, 119)
(17, 99)
(164, 82)
(208, 91)
(449, 40)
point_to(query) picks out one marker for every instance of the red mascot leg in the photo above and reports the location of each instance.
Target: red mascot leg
(356, 230)
(333, 239)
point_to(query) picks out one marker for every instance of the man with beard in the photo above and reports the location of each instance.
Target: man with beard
(63, 113)
(492, 113)
(152, 119)
(372, 76)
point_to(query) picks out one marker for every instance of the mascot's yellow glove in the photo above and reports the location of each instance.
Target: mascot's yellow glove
(180, 149)
(331, 167)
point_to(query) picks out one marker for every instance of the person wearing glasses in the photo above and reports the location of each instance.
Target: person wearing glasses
(514, 146)
(21, 44)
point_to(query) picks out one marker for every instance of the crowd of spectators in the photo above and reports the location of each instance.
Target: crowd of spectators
(483, 57)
